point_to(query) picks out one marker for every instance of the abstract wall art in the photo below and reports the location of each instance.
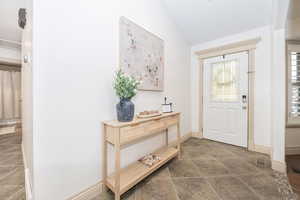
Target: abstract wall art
(142, 55)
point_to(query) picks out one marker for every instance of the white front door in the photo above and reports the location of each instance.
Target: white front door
(225, 97)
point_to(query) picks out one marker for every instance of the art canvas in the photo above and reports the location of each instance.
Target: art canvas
(142, 55)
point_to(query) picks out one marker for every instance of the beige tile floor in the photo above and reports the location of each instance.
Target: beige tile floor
(211, 171)
(11, 168)
(208, 171)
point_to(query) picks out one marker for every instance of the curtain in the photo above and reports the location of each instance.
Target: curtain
(10, 95)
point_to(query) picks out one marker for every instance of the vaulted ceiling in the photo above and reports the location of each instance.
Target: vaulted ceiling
(205, 20)
(9, 29)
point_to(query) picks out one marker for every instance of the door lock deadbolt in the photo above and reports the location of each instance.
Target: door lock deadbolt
(244, 98)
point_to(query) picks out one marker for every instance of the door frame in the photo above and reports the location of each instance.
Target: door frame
(248, 46)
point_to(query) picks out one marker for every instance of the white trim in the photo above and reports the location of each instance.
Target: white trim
(279, 166)
(262, 149)
(89, 193)
(292, 150)
(197, 135)
(230, 48)
(183, 139)
(96, 189)
(28, 187)
(235, 47)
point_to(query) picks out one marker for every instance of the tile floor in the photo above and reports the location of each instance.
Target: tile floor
(11, 168)
(207, 171)
(211, 171)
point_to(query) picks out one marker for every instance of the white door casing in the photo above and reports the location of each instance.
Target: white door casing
(225, 99)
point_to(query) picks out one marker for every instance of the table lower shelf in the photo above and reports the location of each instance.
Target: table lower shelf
(137, 171)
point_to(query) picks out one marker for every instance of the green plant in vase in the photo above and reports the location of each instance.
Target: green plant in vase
(126, 88)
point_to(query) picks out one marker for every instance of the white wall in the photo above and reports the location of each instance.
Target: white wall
(75, 55)
(278, 95)
(262, 96)
(27, 100)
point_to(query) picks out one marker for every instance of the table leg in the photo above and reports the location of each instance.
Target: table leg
(178, 140)
(167, 137)
(117, 165)
(104, 155)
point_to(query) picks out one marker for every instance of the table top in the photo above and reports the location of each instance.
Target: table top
(136, 120)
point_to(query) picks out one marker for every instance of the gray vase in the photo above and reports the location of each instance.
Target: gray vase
(125, 110)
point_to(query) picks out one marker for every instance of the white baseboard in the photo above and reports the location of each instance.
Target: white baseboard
(96, 190)
(186, 137)
(89, 193)
(28, 187)
(197, 135)
(292, 150)
(279, 166)
(183, 139)
(262, 149)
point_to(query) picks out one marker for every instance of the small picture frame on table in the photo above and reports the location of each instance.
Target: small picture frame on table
(167, 107)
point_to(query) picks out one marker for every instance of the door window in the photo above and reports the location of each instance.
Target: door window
(224, 81)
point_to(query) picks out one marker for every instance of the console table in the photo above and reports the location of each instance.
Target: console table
(120, 134)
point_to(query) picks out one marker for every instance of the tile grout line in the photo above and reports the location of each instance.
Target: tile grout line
(9, 173)
(237, 176)
(20, 191)
(173, 184)
(250, 188)
(176, 192)
(213, 189)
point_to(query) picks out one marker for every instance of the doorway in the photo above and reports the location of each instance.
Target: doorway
(10, 98)
(225, 99)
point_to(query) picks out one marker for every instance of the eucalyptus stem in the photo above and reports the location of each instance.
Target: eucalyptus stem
(125, 86)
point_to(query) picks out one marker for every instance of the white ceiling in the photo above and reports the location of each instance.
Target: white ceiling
(9, 29)
(205, 20)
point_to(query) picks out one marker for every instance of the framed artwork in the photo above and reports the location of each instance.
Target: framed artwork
(141, 55)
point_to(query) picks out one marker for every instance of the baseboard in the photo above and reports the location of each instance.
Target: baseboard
(262, 149)
(292, 150)
(186, 137)
(279, 166)
(28, 189)
(89, 193)
(183, 139)
(255, 147)
(197, 134)
(96, 190)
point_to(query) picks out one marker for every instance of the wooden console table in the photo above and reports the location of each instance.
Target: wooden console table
(120, 134)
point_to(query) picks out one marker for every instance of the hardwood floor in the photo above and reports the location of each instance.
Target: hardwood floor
(11, 167)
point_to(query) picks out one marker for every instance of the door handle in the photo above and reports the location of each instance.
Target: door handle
(244, 101)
